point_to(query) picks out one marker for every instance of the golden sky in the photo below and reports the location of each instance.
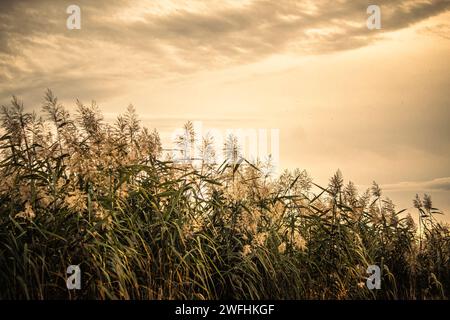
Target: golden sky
(374, 103)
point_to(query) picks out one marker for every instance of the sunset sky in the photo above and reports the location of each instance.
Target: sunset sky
(374, 103)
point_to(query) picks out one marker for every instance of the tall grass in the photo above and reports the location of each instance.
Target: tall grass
(76, 190)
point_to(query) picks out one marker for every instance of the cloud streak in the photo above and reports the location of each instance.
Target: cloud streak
(439, 184)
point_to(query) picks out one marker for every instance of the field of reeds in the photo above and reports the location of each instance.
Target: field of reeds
(76, 190)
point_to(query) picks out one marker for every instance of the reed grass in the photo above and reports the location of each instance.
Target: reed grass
(77, 190)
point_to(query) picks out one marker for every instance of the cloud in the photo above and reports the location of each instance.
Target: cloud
(138, 40)
(441, 30)
(439, 184)
(134, 40)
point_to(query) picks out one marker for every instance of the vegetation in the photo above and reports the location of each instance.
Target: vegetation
(81, 191)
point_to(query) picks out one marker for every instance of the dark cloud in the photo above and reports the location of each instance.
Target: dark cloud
(185, 40)
(261, 25)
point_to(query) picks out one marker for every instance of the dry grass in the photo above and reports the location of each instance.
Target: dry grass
(80, 191)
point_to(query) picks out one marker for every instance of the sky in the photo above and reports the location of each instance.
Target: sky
(373, 103)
